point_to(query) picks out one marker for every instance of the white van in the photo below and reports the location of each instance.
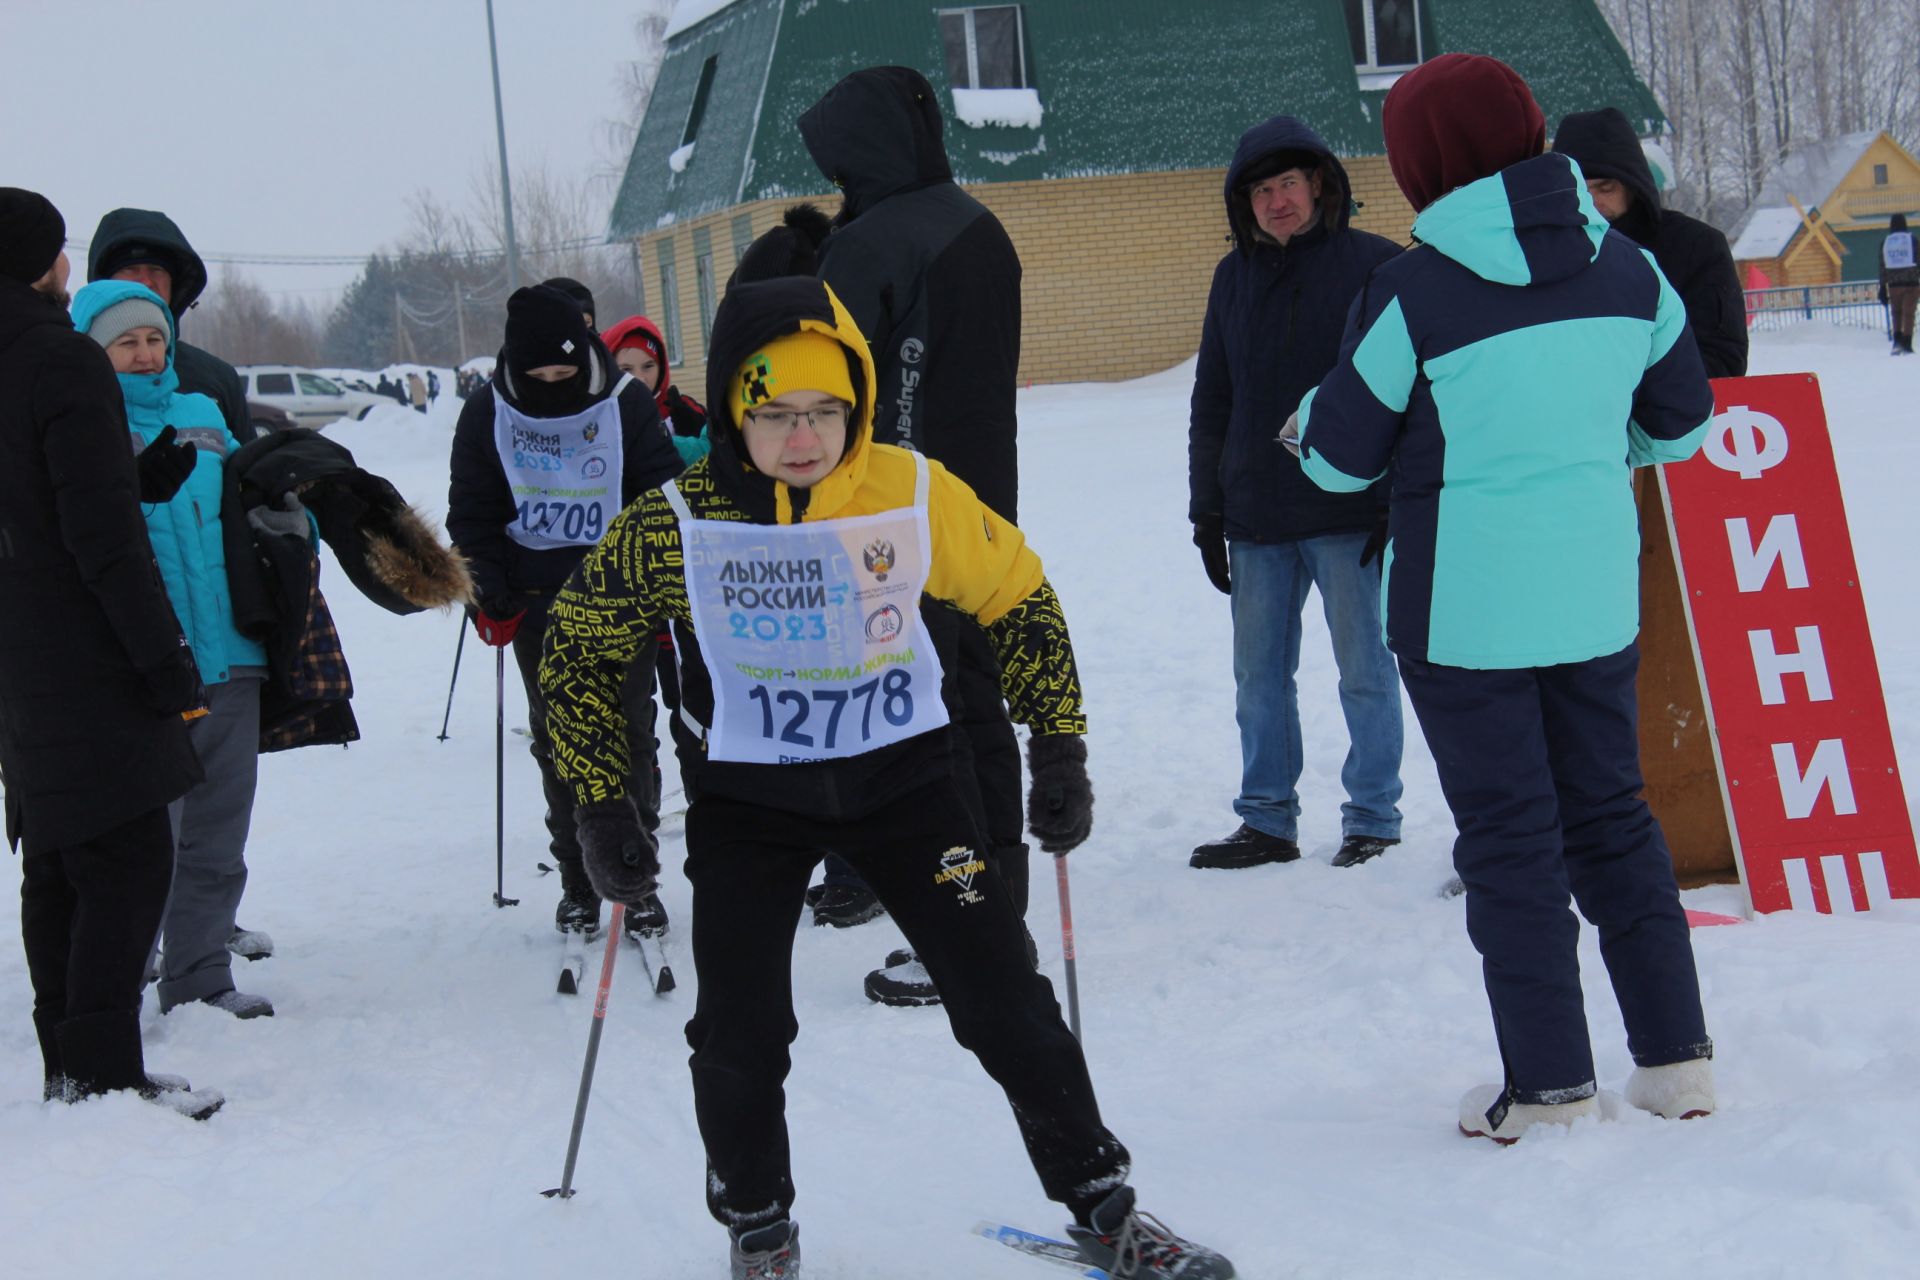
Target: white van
(312, 400)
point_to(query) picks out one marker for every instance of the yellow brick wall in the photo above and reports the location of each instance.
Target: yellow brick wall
(1115, 269)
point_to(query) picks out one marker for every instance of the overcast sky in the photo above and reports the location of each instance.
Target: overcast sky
(296, 126)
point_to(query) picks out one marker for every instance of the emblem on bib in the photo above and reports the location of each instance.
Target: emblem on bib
(885, 624)
(879, 556)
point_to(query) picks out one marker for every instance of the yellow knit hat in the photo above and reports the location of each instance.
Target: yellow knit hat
(803, 361)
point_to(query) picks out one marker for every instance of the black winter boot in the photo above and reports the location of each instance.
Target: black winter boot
(1246, 847)
(1122, 1241)
(1355, 850)
(648, 919)
(100, 1052)
(846, 905)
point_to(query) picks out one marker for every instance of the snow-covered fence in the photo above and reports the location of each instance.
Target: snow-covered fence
(1854, 305)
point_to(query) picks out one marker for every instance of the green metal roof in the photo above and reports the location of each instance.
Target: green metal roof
(1127, 86)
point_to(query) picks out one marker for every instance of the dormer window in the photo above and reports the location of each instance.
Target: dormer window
(985, 47)
(1385, 35)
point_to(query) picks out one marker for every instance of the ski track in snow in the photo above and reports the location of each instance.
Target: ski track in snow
(1282, 1048)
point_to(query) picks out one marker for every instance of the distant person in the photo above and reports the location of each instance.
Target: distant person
(93, 746)
(581, 295)
(146, 247)
(417, 392)
(433, 386)
(933, 281)
(639, 349)
(1899, 282)
(1507, 373)
(211, 821)
(1276, 313)
(543, 459)
(384, 387)
(1694, 257)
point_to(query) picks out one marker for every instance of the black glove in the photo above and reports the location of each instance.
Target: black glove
(1376, 542)
(1060, 802)
(1210, 537)
(173, 688)
(164, 466)
(621, 858)
(686, 417)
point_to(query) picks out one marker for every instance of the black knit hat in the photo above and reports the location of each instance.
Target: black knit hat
(545, 327)
(32, 233)
(581, 295)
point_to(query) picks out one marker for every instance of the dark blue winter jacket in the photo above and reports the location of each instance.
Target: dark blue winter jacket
(1511, 369)
(1275, 316)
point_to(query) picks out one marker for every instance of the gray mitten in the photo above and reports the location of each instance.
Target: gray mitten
(289, 520)
(621, 859)
(1060, 802)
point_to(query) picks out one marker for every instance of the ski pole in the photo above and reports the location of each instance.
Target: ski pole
(500, 898)
(565, 1190)
(458, 646)
(1066, 943)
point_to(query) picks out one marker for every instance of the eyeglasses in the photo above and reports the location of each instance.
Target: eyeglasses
(826, 417)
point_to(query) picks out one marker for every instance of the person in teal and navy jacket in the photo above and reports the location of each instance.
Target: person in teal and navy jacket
(1507, 373)
(210, 821)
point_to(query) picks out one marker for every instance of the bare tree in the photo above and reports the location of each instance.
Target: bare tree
(241, 321)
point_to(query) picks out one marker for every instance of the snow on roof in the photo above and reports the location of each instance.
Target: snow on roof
(687, 13)
(1767, 233)
(1015, 108)
(1811, 172)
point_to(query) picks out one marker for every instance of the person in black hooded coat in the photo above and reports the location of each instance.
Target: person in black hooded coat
(130, 239)
(522, 540)
(1693, 256)
(933, 280)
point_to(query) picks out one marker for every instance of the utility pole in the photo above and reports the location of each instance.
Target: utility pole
(506, 184)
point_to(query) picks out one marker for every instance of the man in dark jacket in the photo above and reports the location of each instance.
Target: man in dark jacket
(933, 281)
(544, 457)
(1693, 256)
(93, 687)
(145, 246)
(1265, 532)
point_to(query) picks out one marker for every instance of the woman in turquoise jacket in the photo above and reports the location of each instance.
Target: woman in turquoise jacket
(210, 822)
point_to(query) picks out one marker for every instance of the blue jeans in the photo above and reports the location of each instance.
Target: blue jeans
(1270, 582)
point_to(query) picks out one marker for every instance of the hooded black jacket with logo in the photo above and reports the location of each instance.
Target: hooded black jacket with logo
(929, 275)
(1693, 256)
(633, 581)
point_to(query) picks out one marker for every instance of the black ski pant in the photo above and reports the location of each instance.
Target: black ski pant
(986, 754)
(88, 916)
(636, 698)
(1541, 767)
(749, 867)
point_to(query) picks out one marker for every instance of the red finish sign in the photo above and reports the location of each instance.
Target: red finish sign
(1798, 718)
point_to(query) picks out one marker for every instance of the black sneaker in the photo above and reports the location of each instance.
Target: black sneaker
(648, 920)
(768, 1253)
(846, 905)
(1244, 848)
(1122, 1241)
(1355, 850)
(903, 983)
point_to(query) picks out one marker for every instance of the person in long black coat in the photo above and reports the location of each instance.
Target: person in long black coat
(95, 674)
(1694, 257)
(933, 281)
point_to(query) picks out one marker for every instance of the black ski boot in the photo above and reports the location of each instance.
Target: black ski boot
(846, 905)
(648, 919)
(902, 982)
(768, 1253)
(1123, 1242)
(579, 909)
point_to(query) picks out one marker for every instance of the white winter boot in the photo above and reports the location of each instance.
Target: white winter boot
(1677, 1091)
(1520, 1116)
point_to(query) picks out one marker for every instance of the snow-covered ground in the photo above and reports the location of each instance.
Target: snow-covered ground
(1282, 1047)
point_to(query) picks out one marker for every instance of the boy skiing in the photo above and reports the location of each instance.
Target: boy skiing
(799, 552)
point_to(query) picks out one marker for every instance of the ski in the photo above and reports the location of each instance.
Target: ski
(653, 958)
(573, 960)
(1045, 1248)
